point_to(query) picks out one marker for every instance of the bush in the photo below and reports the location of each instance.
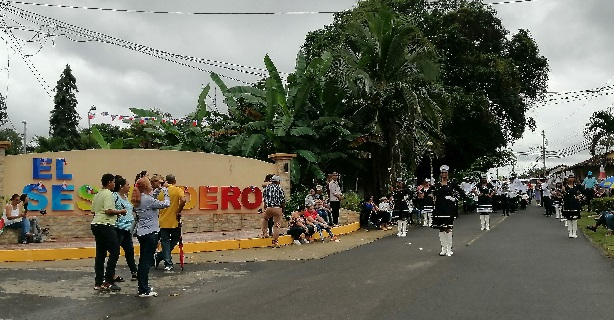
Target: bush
(296, 202)
(351, 201)
(602, 204)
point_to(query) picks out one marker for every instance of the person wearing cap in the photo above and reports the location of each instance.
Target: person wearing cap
(400, 208)
(589, 184)
(485, 193)
(334, 197)
(505, 199)
(274, 201)
(170, 230)
(572, 204)
(516, 187)
(447, 194)
(467, 186)
(426, 200)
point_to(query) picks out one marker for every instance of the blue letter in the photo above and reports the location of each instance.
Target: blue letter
(38, 166)
(57, 197)
(59, 170)
(36, 197)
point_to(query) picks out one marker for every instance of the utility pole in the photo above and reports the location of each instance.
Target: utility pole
(544, 151)
(24, 135)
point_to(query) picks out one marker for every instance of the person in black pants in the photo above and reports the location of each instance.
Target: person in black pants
(334, 197)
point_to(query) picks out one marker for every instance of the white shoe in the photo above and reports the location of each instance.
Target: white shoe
(443, 251)
(403, 234)
(296, 242)
(150, 294)
(482, 228)
(449, 253)
(398, 234)
(487, 228)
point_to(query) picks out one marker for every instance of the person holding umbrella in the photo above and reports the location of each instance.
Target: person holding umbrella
(170, 229)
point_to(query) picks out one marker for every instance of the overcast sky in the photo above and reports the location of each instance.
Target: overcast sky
(573, 34)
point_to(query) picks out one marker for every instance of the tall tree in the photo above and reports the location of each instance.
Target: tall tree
(15, 138)
(64, 117)
(599, 130)
(4, 117)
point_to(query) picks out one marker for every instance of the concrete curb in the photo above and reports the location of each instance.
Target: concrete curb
(24, 255)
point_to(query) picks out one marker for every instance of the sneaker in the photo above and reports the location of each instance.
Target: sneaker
(148, 294)
(168, 268)
(107, 286)
(97, 287)
(118, 279)
(134, 277)
(304, 241)
(296, 242)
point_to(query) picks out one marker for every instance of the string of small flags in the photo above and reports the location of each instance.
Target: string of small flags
(144, 120)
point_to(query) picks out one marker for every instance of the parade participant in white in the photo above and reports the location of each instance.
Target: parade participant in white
(400, 209)
(485, 193)
(447, 194)
(572, 206)
(427, 202)
(557, 200)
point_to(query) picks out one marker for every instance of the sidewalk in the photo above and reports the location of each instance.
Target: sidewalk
(83, 248)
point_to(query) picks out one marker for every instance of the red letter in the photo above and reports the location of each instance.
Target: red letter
(231, 195)
(245, 198)
(205, 199)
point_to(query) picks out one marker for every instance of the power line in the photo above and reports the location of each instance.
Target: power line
(173, 12)
(582, 106)
(99, 37)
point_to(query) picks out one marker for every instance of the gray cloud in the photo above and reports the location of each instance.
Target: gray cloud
(573, 35)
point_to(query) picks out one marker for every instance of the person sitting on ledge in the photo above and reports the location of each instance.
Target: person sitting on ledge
(314, 219)
(297, 228)
(15, 218)
(605, 219)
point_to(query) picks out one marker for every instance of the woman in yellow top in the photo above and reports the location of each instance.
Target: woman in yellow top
(103, 228)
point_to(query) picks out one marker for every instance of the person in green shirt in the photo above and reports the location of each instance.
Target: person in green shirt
(103, 228)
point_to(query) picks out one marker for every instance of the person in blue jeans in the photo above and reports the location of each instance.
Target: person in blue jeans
(605, 219)
(146, 207)
(15, 218)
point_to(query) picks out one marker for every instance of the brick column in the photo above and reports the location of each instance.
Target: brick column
(3, 146)
(282, 163)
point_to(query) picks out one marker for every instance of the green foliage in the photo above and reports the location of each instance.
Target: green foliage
(3, 115)
(296, 202)
(600, 238)
(351, 201)
(600, 128)
(15, 138)
(64, 117)
(602, 204)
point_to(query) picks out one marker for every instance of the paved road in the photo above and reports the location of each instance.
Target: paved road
(525, 267)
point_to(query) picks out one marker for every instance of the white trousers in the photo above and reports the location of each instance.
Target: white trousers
(402, 227)
(572, 228)
(484, 222)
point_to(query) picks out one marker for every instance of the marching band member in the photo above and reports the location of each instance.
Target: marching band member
(485, 193)
(557, 200)
(400, 207)
(447, 194)
(572, 199)
(427, 202)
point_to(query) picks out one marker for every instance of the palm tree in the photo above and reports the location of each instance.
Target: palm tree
(599, 126)
(391, 71)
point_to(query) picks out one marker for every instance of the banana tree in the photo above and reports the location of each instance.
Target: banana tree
(297, 116)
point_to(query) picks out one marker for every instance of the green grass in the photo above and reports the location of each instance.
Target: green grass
(598, 238)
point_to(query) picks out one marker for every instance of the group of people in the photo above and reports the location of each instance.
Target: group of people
(319, 213)
(152, 214)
